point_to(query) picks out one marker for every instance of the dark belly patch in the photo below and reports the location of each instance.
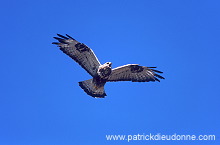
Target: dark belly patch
(105, 72)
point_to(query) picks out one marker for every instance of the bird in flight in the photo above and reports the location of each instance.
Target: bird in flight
(102, 73)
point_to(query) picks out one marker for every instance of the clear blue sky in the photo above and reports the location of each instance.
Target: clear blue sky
(42, 104)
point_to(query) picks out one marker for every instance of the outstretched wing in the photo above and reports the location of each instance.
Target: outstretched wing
(81, 53)
(134, 73)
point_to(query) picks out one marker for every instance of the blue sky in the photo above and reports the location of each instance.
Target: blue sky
(42, 104)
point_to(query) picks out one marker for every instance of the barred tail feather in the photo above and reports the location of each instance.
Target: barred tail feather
(92, 89)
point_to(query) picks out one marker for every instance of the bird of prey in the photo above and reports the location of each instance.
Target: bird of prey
(101, 74)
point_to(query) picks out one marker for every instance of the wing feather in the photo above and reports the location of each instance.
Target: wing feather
(134, 73)
(79, 52)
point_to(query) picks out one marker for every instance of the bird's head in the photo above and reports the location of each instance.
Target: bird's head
(108, 64)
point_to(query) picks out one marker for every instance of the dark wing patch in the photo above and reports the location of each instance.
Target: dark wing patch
(134, 73)
(81, 47)
(81, 53)
(136, 68)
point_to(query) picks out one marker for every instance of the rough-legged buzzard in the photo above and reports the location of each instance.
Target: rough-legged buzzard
(101, 74)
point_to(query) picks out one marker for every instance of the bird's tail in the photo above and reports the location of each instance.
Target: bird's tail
(93, 89)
